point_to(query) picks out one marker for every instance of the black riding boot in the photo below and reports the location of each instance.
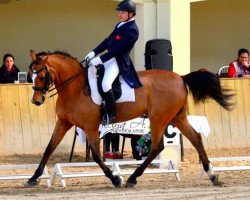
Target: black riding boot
(109, 99)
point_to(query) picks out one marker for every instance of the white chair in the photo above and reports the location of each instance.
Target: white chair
(223, 72)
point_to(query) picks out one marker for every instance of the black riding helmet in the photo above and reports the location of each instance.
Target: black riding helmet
(127, 5)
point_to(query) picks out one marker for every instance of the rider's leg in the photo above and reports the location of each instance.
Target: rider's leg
(110, 74)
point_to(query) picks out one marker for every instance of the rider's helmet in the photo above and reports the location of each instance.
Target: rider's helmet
(127, 5)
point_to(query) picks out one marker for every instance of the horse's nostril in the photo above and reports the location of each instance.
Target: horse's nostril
(37, 103)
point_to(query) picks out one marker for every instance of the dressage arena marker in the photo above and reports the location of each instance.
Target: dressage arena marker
(45, 174)
(115, 167)
(228, 168)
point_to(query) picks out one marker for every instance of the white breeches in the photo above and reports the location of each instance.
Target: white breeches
(111, 72)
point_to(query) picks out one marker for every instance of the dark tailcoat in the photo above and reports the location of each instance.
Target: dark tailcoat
(119, 44)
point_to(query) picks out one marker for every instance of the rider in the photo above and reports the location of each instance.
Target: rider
(116, 60)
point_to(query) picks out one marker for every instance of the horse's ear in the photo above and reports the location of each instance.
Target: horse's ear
(32, 55)
(45, 58)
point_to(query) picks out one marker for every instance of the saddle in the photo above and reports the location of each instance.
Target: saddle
(122, 91)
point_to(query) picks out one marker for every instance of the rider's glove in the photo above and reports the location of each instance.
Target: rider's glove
(95, 61)
(90, 56)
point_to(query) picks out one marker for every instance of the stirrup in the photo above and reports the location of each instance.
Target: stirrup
(106, 120)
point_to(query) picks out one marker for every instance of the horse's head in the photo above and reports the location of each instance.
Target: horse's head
(40, 76)
(59, 69)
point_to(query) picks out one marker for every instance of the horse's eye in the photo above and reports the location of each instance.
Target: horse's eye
(41, 78)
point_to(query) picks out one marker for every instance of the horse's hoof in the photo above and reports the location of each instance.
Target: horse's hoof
(215, 180)
(31, 183)
(131, 183)
(118, 181)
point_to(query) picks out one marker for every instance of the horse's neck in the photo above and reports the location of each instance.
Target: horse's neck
(68, 78)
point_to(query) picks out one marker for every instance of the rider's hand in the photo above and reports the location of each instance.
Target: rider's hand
(95, 61)
(90, 56)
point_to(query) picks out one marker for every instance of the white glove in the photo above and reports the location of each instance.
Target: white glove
(95, 61)
(90, 56)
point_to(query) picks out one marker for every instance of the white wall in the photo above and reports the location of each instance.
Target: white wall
(75, 26)
(162, 19)
(146, 21)
(218, 29)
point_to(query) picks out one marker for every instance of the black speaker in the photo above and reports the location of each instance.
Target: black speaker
(158, 54)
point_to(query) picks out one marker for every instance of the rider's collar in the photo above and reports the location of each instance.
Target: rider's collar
(122, 23)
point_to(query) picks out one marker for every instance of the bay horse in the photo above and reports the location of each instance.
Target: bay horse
(163, 97)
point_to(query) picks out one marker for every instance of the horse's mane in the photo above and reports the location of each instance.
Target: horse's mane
(63, 53)
(39, 56)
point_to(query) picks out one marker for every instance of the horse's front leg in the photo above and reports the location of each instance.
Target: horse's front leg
(94, 143)
(156, 147)
(60, 129)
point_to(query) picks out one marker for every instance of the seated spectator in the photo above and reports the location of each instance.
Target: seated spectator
(241, 66)
(135, 152)
(8, 71)
(134, 140)
(113, 140)
(144, 145)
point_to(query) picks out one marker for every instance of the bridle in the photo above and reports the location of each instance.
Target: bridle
(49, 82)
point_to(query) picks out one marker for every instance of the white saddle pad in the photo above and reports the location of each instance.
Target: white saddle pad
(128, 93)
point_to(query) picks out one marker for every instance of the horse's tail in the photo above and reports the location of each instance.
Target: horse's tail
(204, 85)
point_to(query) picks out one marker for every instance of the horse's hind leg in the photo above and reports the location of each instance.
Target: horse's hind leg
(157, 146)
(181, 122)
(60, 129)
(94, 143)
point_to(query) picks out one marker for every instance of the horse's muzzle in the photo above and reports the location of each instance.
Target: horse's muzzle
(39, 101)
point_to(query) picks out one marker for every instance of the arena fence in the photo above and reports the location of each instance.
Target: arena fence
(27, 129)
(229, 167)
(21, 168)
(166, 166)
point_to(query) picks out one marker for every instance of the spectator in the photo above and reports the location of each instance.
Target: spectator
(8, 71)
(113, 140)
(144, 145)
(135, 152)
(134, 139)
(241, 66)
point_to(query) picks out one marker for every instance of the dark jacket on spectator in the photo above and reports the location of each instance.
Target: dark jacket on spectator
(8, 77)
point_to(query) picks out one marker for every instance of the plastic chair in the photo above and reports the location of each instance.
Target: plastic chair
(223, 72)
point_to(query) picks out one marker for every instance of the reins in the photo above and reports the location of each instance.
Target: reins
(63, 85)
